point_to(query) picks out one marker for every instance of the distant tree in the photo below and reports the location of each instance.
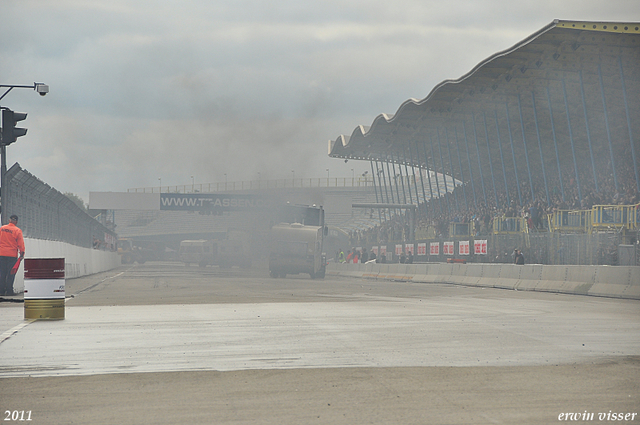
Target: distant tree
(76, 200)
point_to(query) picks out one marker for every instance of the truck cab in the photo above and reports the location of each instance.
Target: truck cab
(297, 247)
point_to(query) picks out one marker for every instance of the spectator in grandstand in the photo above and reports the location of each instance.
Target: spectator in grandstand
(403, 258)
(409, 258)
(364, 257)
(519, 258)
(11, 245)
(353, 256)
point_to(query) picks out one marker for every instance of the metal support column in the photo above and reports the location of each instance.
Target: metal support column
(373, 175)
(464, 184)
(406, 170)
(473, 186)
(493, 180)
(526, 153)
(395, 181)
(453, 178)
(444, 177)
(544, 173)
(404, 193)
(475, 135)
(504, 170)
(386, 189)
(383, 184)
(436, 175)
(586, 123)
(555, 142)
(606, 122)
(426, 164)
(424, 194)
(513, 155)
(626, 108)
(573, 151)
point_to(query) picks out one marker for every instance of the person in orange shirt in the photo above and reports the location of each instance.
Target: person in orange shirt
(11, 245)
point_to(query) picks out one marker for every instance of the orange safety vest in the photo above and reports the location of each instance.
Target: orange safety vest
(11, 241)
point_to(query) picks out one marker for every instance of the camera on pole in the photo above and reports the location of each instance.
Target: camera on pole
(9, 133)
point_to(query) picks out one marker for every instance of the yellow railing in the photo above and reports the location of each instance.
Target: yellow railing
(570, 221)
(598, 218)
(509, 225)
(460, 229)
(615, 217)
(428, 232)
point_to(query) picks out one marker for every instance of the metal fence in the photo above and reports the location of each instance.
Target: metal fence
(45, 213)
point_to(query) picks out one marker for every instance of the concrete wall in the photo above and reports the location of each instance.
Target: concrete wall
(608, 281)
(78, 261)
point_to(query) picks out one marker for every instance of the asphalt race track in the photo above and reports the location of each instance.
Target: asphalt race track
(164, 343)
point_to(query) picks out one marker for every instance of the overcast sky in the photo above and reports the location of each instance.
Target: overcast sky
(149, 90)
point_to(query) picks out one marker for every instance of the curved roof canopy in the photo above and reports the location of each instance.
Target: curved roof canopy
(562, 104)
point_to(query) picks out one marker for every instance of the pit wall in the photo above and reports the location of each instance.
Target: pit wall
(606, 281)
(78, 261)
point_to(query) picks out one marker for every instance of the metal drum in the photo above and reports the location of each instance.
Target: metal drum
(44, 293)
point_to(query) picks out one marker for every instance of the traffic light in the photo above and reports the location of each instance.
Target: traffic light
(9, 131)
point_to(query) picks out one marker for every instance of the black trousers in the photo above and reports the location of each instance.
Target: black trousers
(6, 278)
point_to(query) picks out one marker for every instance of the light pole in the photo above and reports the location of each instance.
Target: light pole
(225, 182)
(293, 178)
(327, 177)
(160, 180)
(192, 185)
(7, 139)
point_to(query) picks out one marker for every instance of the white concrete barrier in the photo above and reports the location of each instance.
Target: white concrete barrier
(79, 261)
(606, 281)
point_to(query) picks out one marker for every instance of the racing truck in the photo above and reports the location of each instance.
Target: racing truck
(297, 243)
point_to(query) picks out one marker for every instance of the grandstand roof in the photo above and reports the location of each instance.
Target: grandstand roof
(574, 87)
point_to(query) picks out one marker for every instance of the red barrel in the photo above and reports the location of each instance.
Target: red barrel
(44, 288)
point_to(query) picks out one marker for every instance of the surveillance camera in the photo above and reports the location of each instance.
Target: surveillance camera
(43, 89)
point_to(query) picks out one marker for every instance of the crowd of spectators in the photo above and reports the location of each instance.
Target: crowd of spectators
(434, 216)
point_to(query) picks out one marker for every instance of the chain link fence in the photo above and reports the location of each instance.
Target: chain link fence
(45, 213)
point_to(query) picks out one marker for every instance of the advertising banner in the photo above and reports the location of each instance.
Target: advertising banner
(463, 248)
(422, 248)
(408, 248)
(480, 247)
(434, 248)
(448, 248)
(211, 202)
(398, 249)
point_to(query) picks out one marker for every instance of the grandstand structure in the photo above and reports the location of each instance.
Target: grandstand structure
(548, 127)
(536, 147)
(551, 109)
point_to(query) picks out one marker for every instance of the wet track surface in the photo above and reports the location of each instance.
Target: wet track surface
(165, 318)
